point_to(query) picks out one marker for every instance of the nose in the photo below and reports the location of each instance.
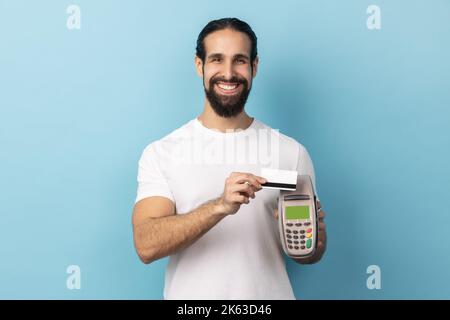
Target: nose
(228, 70)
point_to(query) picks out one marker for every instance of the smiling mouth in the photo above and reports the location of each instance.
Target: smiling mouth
(227, 87)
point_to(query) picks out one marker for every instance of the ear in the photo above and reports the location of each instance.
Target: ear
(255, 66)
(199, 66)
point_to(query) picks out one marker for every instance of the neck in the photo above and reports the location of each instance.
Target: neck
(213, 121)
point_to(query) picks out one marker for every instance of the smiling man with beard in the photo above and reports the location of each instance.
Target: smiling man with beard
(214, 220)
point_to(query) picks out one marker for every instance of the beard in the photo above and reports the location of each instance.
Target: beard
(227, 106)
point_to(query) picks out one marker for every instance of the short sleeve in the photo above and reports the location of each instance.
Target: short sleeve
(151, 181)
(305, 166)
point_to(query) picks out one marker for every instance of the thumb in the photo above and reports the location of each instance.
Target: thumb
(275, 213)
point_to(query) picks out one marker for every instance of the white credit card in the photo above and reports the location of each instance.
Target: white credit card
(279, 179)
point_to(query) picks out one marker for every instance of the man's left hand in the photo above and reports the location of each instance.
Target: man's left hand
(322, 237)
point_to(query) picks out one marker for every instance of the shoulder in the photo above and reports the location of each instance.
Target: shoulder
(170, 140)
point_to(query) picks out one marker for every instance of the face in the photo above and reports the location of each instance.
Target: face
(227, 71)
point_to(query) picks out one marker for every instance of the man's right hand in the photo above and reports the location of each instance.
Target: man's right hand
(239, 188)
(159, 231)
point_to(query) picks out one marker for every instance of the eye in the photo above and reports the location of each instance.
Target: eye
(216, 59)
(240, 61)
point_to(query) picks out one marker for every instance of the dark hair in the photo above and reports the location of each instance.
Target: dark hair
(230, 23)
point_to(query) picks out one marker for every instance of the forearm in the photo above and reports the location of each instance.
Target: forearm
(159, 237)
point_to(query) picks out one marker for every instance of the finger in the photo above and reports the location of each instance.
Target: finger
(247, 189)
(239, 198)
(321, 236)
(248, 195)
(259, 178)
(320, 245)
(275, 213)
(321, 215)
(319, 205)
(246, 184)
(250, 178)
(322, 226)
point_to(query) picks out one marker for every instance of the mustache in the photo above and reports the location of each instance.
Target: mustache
(231, 80)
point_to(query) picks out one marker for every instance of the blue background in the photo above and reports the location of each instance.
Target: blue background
(78, 107)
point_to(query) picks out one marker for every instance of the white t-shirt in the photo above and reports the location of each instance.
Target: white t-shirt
(240, 257)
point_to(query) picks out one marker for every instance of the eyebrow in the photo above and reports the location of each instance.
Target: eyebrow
(220, 55)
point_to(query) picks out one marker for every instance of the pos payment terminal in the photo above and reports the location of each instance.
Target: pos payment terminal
(297, 218)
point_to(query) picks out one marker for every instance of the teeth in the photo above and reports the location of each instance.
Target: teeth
(227, 87)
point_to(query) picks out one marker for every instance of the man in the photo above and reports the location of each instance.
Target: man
(203, 207)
